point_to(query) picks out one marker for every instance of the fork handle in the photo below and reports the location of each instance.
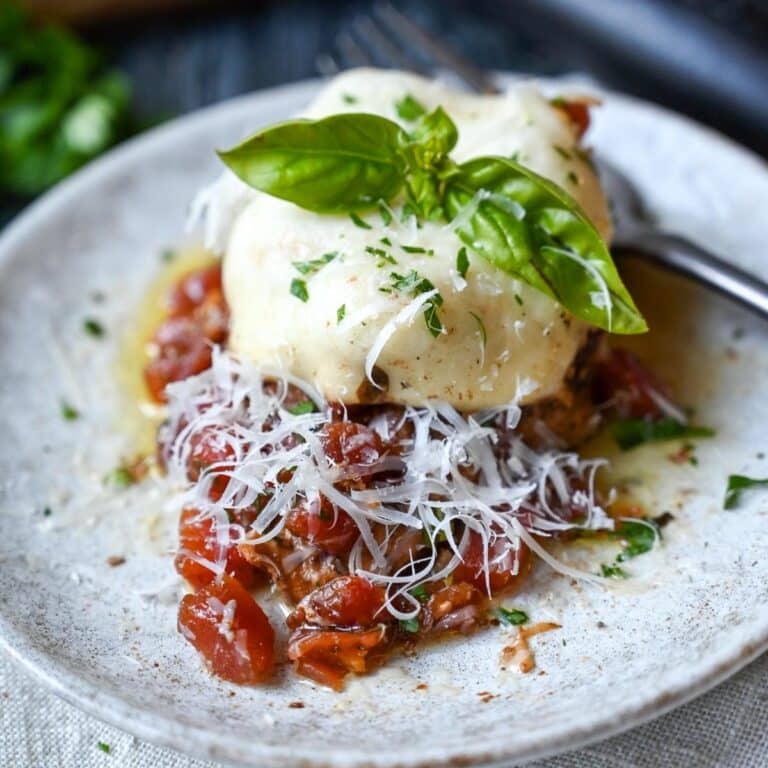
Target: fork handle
(690, 260)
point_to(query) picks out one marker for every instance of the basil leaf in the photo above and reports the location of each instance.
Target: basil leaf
(433, 137)
(639, 537)
(530, 228)
(736, 485)
(633, 432)
(409, 625)
(335, 165)
(613, 572)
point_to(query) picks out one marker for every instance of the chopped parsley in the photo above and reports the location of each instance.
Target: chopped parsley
(613, 572)
(104, 747)
(381, 254)
(69, 412)
(462, 262)
(481, 328)
(341, 313)
(409, 109)
(420, 593)
(512, 617)
(415, 284)
(737, 484)
(358, 222)
(93, 328)
(120, 477)
(305, 406)
(633, 432)
(417, 249)
(315, 265)
(385, 214)
(299, 289)
(409, 625)
(385, 241)
(348, 98)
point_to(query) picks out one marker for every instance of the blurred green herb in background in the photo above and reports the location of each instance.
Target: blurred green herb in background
(59, 105)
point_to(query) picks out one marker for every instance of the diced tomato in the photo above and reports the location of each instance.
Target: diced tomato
(323, 525)
(327, 656)
(625, 385)
(347, 442)
(578, 114)
(501, 563)
(347, 601)
(458, 607)
(182, 351)
(196, 537)
(210, 447)
(192, 290)
(230, 631)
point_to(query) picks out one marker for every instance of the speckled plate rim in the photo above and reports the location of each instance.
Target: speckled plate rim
(66, 683)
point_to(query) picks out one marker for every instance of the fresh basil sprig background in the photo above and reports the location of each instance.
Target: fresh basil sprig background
(522, 223)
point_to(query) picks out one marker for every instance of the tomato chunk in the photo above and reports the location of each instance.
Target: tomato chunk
(182, 351)
(210, 447)
(196, 537)
(347, 442)
(230, 631)
(347, 601)
(501, 564)
(193, 289)
(322, 524)
(624, 384)
(327, 656)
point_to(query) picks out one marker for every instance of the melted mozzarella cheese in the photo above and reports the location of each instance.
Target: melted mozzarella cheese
(502, 340)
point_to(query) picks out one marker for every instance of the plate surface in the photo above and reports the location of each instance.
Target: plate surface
(104, 637)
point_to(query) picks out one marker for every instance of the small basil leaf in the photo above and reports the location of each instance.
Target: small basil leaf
(341, 163)
(633, 432)
(736, 485)
(530, 228)
(639, 537)
(511, 616)
(434, 136)
(409, 109)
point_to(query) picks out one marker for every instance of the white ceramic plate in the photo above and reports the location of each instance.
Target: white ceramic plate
(695, 610)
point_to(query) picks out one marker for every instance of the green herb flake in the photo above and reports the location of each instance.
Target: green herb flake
(409, 109)
(420, 593)
(381, 254)
(120, 477)
(358, 222)
(417, 249)
(415, 284)
(104, 747)
(562, 151)
(409, 625)
(386, 215)
(481, 328)
(385, 241)
(47, 512)
(633, 432)
(341, 313)
(168, 255)
(519, 299)
(573, 178)
(299, 289)
(93, 328)
(305, 406)
(348, 98)
(639, 537)
(462, 262)
(69, 412)
(613, 572)
(737, 484)
(314, 265)
(511, 617)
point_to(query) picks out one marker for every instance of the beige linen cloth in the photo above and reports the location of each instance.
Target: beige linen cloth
(727, 727)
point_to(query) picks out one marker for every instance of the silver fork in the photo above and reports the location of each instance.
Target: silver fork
(388, 38)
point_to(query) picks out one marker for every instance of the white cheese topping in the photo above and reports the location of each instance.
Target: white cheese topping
(496, 330)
